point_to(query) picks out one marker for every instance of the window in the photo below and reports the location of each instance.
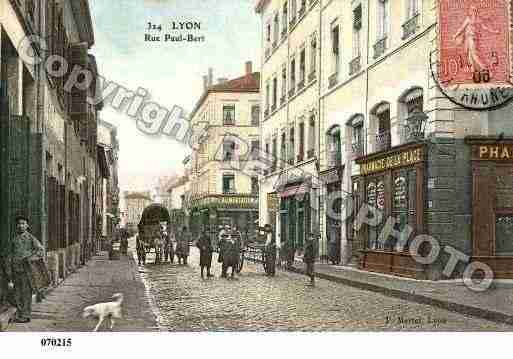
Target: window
(284, 82)
(292, 146)
(411, 102)
(382, 115)
(334, 147)
(412, 9)
(255, 115)
(276, 29)
(229, 115)
(311, 138)
(267, 100)
(335, 48)
(254, 185)
(228, 184)
(293, 10)
(293, 75)
(313, 56)
(228, 150)
(255, 148)
(275, 153)
(302, 66)
(383, 19)
(284, 19)
(301, 154)
(357, 27)
(283, 149)
(357, 134)
(275, 93)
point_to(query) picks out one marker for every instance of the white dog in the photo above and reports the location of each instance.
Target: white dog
(111, 310)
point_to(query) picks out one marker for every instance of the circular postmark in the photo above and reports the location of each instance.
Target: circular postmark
(472, 64)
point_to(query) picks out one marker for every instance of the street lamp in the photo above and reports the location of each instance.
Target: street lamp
(416, 124)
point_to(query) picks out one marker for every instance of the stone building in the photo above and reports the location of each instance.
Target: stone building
(177, 191)
(229, 114)
(291, 125)
(48, 129)
(389, 137)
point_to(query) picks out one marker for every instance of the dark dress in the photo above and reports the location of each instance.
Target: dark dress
(205, 246)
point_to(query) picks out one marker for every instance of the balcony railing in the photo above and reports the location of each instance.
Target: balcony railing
(292, 91)
(332, 80)
(383, 141)
(410, 134)
(357, 149)
(380, 47)
(312, 76)
(410, 26)
(355, 65)
(301, 85)
(310, 153)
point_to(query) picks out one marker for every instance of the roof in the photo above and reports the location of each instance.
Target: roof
(246, 83)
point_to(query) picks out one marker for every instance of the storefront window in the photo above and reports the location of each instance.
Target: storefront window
(504, 235)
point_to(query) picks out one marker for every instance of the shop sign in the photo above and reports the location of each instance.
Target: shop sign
(391, 161)
(273, 202)
(495, 152)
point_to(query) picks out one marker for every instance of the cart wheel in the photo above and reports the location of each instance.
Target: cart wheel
(241, 263)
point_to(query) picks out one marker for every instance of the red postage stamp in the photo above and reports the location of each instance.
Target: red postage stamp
(474, 43)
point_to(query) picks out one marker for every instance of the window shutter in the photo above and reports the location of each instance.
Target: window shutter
(357, 17)
(335, 40)
(78, 56)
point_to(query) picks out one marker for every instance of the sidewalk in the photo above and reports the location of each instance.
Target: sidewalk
(94, 282)
(495, 304)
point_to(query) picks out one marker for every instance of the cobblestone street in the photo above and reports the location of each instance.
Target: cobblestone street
(255, 302)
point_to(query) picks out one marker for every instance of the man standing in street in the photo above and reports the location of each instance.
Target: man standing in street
(24, 249)
(205, 247)
(270, 251)
(223, 237)
(309, 257)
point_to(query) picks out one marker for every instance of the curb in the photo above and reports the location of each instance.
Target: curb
(491, 315)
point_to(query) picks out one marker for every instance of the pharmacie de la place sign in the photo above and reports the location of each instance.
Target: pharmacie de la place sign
(391, 161)
(474, 65)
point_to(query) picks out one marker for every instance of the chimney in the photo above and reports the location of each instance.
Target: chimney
(249, 67)
(210, 76)
(205, 82)
(222, 80)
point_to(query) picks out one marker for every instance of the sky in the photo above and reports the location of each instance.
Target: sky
(171, 72)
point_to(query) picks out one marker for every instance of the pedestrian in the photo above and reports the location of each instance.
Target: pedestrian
(204, 245)
(270, 251)
(124, 244)
(141, 250)
(25, 248)
(309, 256)
(169, 251)
(231, 255)
(333, 245)
(158, 243)
(182, 246)
(222, 237)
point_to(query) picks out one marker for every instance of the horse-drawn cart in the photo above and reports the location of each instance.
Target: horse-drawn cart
(154, 222)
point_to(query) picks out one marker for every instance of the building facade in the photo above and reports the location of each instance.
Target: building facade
(391, 139)
(48, 130)
(220, 193)
(291, 123)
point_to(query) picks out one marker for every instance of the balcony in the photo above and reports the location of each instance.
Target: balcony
(380, 47)
(310, 153)
(355, 65)
(410, 27)
(301, 85)
(292, 91)
(383, 141)
(357, 149)
(410, 134)
(292, 22)
(333, 80)
(312, 76)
